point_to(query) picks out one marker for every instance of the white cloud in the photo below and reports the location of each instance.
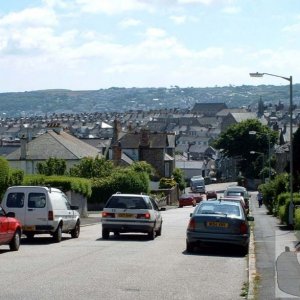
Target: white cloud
(231, 10)
(178, 19)
(111, 7)
(155, 32)
(30, 17)
(130, 23)
(295, 28)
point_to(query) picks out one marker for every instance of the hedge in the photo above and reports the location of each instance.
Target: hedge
(65, 183)
(297, 219)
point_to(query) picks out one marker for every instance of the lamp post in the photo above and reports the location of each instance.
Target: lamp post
(263, 162)
(290, 80)
(252, 132)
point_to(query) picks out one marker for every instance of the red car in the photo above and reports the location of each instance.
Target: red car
(10, 230)
(211, 195)
(186, 200)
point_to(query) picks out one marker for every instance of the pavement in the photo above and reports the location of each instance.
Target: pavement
(274, 262)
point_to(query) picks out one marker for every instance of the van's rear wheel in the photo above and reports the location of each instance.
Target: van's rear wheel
(76, 231)
(57, 236)
(29, 235)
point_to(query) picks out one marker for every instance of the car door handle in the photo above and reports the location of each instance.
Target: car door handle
(30, 209)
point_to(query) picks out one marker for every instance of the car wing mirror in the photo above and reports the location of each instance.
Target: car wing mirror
(250, 218)
(162, 209)
(11, 214)
(191, 215)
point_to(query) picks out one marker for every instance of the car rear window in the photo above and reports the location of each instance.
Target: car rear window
(15, 200)
(128, 202)
(219, 208)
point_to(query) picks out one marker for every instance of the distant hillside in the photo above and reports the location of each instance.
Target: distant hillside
(125, 99)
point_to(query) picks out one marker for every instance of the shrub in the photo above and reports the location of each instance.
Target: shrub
(166, 183)
(297, 219)
(15, 177)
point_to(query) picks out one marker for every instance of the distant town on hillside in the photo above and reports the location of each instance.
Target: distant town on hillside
(115, 99)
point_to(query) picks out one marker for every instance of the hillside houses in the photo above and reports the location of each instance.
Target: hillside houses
(187, 132)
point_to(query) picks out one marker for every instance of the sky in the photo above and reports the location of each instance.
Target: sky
(98, 44)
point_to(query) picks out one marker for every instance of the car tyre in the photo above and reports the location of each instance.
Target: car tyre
(244, 250)
(14, 245)
(76, 231)
(189, 247)
(57, 236)
(158, 232)
(151, 234)
(105, 234)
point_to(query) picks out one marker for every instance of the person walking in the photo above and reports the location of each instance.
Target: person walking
(259, 199)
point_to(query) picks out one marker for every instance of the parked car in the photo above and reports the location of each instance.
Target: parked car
(42, 210)
(125, 213)
(218, 222)
(10, 230)
(198, 197)
(187, 200)
(211, 195)
(239, 199)
(236, 190)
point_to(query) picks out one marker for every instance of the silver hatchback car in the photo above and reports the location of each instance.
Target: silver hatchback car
(131, 213)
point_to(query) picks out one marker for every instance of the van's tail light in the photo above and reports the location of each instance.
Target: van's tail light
(192, 224)
(106, 214)
(143, 216)
(50, 215)
(243, 228)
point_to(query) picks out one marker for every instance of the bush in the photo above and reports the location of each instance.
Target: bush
(283, 212)
(166, 183)
(64, 183)
(297, 219)
(4, 175)
(16, 177)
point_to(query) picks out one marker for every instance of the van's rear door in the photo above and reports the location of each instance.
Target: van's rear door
(36, 213)
(14, 201)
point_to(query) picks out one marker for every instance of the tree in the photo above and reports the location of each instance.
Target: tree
(178, 176)
(52, 166)
(92, 168)
(236, 142)
(4, 175)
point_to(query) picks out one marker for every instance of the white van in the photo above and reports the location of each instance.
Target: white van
(197, 184)
(42, 210)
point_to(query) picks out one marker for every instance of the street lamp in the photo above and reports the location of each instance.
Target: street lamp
(290, 79)
(263, 162)
(253, 132)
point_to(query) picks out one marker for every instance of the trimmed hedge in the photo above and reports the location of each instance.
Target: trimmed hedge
(297, 219)
(65, 183)
(283, 211)
(126, 181)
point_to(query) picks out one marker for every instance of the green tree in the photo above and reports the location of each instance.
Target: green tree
(92, 168)
(178, 176)
(52, 166)
(236, 142)
(4, 174)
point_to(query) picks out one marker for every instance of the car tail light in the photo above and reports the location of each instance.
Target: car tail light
(106, 214)
(143, 216)
(50, 215)
(192, 224)
(243, 228)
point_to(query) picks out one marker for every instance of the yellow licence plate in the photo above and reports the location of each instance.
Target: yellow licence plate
(217, 224)
(126, 215)
(28, 228)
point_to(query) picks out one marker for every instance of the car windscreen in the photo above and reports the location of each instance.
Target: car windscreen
(218, 208)
(128, 202)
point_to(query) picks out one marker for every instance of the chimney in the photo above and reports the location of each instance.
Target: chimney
(117, 153)
(145, 140)
(23, 148)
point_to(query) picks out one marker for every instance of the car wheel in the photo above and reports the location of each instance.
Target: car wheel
(158, 232)
(57, 236)
(151, 234)
(189, 247)
(29, 235)
(15, 242)
(105, 234)
(244, 250)
(76, 231)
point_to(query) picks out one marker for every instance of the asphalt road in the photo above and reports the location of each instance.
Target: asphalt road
(124, 267)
